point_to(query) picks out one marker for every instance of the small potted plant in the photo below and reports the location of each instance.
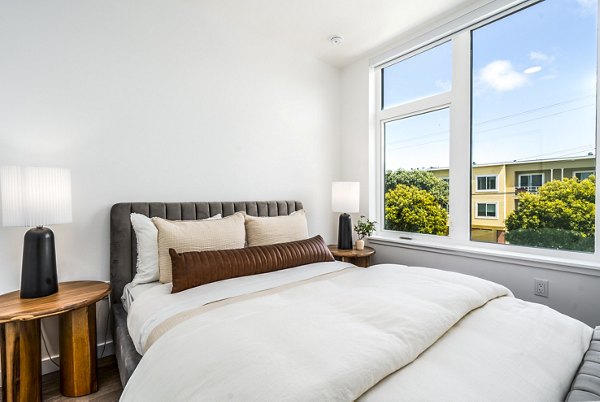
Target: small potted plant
(363, 227)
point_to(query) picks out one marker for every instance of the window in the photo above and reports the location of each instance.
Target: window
(486, 210)
(584, 174)
(531, 182)
(416, 139)
(487, 183)
(424, 74)
(534, 108)
(505, 110)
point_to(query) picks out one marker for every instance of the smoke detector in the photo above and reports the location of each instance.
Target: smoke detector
(336, 40)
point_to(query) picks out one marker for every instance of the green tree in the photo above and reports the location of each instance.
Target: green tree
(566, 205)
(410, 209)
(421, 179)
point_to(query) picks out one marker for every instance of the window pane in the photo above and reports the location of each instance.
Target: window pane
(492, 183)
(480, 209)
(533, 124)
(416, 163)
(427, 73)
(491, 209)
(481, 183)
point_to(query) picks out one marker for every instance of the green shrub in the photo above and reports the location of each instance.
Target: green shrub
(561, 239)
(410, 209)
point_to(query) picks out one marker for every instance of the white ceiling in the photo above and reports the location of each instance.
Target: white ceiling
(308, 24)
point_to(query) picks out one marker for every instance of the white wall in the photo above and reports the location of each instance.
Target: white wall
(158, 101)
(576, 295)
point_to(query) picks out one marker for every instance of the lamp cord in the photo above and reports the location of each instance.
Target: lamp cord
(46, 346)
(106, 327)
(43, 331)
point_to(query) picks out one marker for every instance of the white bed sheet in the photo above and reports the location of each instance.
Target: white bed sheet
(158, 303)
(132, 291)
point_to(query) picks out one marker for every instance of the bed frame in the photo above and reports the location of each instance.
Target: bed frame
(123, 256)
(123, 253)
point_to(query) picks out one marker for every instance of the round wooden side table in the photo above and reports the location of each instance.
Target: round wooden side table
(75, 304)
(361, 258)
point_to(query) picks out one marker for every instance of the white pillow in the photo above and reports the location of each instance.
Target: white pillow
(147, 248)
(184, 236)
(261, 231)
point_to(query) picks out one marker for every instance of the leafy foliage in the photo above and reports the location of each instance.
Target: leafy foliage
(411, 209)
(421, 179)
(551, 238)
(567, 206)
(364, 227)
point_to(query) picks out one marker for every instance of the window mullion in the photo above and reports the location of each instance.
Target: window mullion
(460, 139)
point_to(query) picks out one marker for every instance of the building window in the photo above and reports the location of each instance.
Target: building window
(584, 174)
(487, 183)
(524, 109)
(486, 210)
(531, 182)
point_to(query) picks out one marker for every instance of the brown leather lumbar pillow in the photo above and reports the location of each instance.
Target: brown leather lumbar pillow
(197, 268)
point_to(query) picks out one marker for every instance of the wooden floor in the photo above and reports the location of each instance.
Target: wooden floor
(109, 384)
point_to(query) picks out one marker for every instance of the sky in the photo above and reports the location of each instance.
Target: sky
(533, 90)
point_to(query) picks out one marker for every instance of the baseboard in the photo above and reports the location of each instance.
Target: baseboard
(49, 367)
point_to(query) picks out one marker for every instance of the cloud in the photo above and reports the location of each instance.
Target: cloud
(443, 85)
(587, 3)
(501, 76)
(532, 70)
(587, 8)
(539, 56)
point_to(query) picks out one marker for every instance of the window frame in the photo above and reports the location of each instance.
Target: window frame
(530, 175)
(457, 28)
(486, 203)
(495, 190)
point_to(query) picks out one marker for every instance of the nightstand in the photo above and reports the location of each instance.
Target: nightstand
(75, 304)
(359, 258)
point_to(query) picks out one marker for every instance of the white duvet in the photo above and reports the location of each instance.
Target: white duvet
(352, 333)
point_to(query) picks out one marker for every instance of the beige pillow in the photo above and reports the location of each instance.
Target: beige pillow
(261, 231)
(184, 236)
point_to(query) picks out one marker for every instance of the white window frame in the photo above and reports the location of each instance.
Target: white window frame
(486, 190)
(457, 28)
(530, 174)
(591, 172)
(476, 212)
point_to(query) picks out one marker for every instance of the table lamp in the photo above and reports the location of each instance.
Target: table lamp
(345, 197)
(34, 197)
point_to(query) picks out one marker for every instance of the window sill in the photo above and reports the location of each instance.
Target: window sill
(574, 265)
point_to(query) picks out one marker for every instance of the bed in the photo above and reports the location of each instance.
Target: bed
(331, 331)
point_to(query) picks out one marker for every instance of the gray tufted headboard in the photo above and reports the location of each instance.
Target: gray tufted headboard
(123, 249)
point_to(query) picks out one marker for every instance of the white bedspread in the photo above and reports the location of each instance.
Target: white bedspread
(508, 350)
(328, 339)
(158, 304)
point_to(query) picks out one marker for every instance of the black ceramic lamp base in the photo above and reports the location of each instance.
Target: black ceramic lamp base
(38, 275)
(345, 232)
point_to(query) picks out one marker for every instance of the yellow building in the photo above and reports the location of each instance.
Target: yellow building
(494, 188)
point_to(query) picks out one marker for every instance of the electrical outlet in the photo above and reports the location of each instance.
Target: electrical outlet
(540, 287)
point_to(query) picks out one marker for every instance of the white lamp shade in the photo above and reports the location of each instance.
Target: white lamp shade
(345, 196)
(35, 196)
